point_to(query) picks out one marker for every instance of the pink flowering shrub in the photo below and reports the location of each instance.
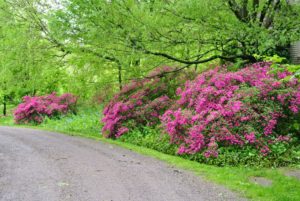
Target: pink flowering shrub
(34, 109)
(248, 108)
(141, 102)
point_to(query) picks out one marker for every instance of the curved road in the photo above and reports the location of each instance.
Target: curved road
(44, 166)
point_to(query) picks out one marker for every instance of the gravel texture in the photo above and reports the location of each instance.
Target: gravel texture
(44, 166)
(261, 181)
(293, 173)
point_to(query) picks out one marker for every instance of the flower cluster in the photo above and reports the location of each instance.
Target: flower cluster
(34, 109)
(140, 103)
(222, 108)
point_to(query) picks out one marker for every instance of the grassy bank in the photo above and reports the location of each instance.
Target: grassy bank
(283, 188)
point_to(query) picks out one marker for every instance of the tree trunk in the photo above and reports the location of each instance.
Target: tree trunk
(4, 106)
(120, 75)
(295, 53)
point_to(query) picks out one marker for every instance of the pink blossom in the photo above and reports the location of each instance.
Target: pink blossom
(121, 131)
(236, 106)
(34, 109)
(282, 138)
(250, 137)
(265, 150)
(141, 102)
(230, 107)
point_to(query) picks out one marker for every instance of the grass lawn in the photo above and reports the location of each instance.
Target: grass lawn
(283, 188)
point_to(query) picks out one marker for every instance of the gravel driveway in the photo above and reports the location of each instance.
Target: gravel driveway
(45, 166)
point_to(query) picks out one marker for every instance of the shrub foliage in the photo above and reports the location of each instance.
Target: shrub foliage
(252, 110)
(35, 109)
(237, 109)
(141, 102)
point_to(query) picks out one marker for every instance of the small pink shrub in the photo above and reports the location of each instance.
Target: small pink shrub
(34, 109)
(237, 109)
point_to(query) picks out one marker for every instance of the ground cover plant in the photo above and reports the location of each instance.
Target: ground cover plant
(35, 109)
(84, 123)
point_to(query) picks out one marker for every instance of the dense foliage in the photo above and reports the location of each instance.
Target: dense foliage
(252, 111)
(238, 109)
(141, 102)
(35, 109)
(87, 47)
(29, 65)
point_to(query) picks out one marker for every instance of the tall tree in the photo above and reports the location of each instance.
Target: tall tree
(178, 31)
(28, 65)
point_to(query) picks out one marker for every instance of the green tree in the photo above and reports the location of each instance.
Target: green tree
(85, 46)
(177, 31)
(29, 65)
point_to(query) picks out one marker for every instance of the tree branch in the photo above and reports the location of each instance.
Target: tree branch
(229, 58)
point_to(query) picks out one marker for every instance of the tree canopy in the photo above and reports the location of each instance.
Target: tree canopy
(93, 46)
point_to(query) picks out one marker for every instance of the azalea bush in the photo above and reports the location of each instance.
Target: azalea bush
(141, 102)
(250, 109)
(249, 116)
(35, 109)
